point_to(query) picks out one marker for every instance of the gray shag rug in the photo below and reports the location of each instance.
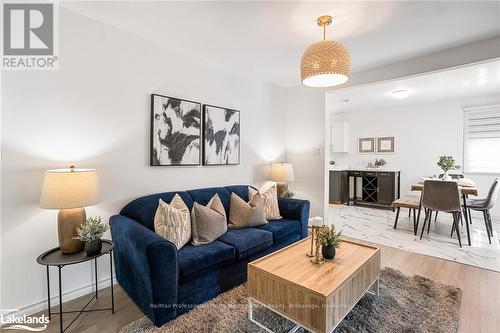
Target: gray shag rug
(405, 304)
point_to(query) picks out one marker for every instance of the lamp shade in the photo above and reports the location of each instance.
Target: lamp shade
(69, 188)
(282, 172)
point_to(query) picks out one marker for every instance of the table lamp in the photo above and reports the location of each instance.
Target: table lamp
(69, 190)
(282, 173)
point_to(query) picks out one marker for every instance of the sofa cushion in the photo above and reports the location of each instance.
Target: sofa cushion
(204, 195)
(209, 222)
(143, 209)
(281, 228)
(240, 190)
(246, 214)
(247, 241)
(173, 221)
(194, 259)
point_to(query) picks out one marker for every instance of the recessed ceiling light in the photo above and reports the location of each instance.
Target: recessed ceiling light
(400, 94)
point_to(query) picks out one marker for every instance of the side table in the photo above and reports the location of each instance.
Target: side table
(54, 257)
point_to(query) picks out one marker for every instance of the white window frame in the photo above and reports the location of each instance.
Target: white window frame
(484, 108)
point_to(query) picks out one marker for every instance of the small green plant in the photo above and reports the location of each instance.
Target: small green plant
(91, 230)
(332, 162)
(329, 237)
(377, 163)
(287, 194)
(447, 163)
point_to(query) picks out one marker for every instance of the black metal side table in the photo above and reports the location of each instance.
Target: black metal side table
(55, 257)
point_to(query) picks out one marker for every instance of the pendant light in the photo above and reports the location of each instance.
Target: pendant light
(325, 63)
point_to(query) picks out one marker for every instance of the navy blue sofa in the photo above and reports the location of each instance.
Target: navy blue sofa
(165, 282)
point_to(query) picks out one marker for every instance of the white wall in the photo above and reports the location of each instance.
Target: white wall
(422, 133)
(95, 112)
(305, 143)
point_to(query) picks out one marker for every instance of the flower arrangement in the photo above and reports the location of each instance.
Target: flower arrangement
(91, 230)
(378, 163)
(329, 237)
(447, 163)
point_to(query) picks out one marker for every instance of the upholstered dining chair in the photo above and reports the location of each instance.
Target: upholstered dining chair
(441, 196)
(484, 205)
(452, 176)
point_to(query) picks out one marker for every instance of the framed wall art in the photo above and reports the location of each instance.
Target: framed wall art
(175, 131)
(385, 145)
(221, 136)
(366, 145)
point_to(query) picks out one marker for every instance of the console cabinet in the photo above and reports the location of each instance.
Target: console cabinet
(378, 188)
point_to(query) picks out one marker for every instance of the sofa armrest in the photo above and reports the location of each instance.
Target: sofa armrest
(146, 267)
(295, 209)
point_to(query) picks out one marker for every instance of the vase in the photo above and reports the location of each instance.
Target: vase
(93, 248)
(446, 176)
(328, 251)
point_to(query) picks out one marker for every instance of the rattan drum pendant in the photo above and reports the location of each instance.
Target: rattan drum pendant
(326, 63)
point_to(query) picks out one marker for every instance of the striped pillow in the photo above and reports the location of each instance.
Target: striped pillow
(270, 201)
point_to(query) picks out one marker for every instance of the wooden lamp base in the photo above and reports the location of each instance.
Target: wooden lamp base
(67, 222)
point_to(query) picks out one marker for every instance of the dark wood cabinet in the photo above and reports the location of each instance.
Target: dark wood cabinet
(378, 188)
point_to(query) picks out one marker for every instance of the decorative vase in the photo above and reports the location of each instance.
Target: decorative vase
(328, 251)
(93, 248)
(446, 176)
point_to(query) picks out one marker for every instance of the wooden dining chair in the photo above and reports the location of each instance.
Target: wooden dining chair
(441, 196)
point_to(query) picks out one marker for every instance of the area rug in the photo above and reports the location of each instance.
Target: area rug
(405, 304)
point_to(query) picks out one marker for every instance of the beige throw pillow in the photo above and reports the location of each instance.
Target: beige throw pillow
(270, 201)
(173, 222)
(245, 215)
(208, 222)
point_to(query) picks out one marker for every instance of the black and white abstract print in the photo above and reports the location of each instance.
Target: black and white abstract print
(175, 131)
(221, 143)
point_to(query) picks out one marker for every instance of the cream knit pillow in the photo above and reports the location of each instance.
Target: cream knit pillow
(245, 215)
(173, 221)
(270, 201)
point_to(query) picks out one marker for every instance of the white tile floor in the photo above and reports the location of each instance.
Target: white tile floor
(376, 226)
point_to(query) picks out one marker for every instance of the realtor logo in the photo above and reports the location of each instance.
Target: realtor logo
(29, 36)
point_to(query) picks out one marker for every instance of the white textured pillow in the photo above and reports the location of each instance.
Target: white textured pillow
(270, 201)
(173, 221)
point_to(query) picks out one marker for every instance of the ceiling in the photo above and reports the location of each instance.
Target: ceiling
(266, 39)
(468, 81)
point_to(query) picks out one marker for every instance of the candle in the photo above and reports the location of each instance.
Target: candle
(317, 221)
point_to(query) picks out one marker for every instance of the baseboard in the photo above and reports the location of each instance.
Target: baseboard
(54, 299)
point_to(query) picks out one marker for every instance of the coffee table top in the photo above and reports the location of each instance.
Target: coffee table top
(292, 265)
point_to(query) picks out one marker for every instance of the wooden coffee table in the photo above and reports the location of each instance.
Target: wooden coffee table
(315, 297)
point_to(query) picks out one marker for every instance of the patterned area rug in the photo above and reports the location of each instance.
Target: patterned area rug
(405, 304)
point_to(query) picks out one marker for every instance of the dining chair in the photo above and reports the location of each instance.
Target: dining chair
(441, 196)
(453, 176)
(484, 205)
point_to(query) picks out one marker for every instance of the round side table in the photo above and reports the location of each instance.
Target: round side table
(54, 257)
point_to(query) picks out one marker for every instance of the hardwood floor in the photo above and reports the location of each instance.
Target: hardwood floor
(479, 310)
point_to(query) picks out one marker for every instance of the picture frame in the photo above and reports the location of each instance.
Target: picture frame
(175, 134)
(385, 145)
(366, 145)
(221, 135)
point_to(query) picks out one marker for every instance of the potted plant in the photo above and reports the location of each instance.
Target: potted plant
(287, 194)
(332, 162)
(329, 240)
(377, 164)
(447, 163)
(90, 233)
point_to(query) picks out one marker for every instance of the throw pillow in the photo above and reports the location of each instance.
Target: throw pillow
(208, 222)
(245, 215)
(270, 201)
(173, 222)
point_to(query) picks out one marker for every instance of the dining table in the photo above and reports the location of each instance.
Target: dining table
(465, 191)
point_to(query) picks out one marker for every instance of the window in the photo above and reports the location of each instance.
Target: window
(482, 139)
